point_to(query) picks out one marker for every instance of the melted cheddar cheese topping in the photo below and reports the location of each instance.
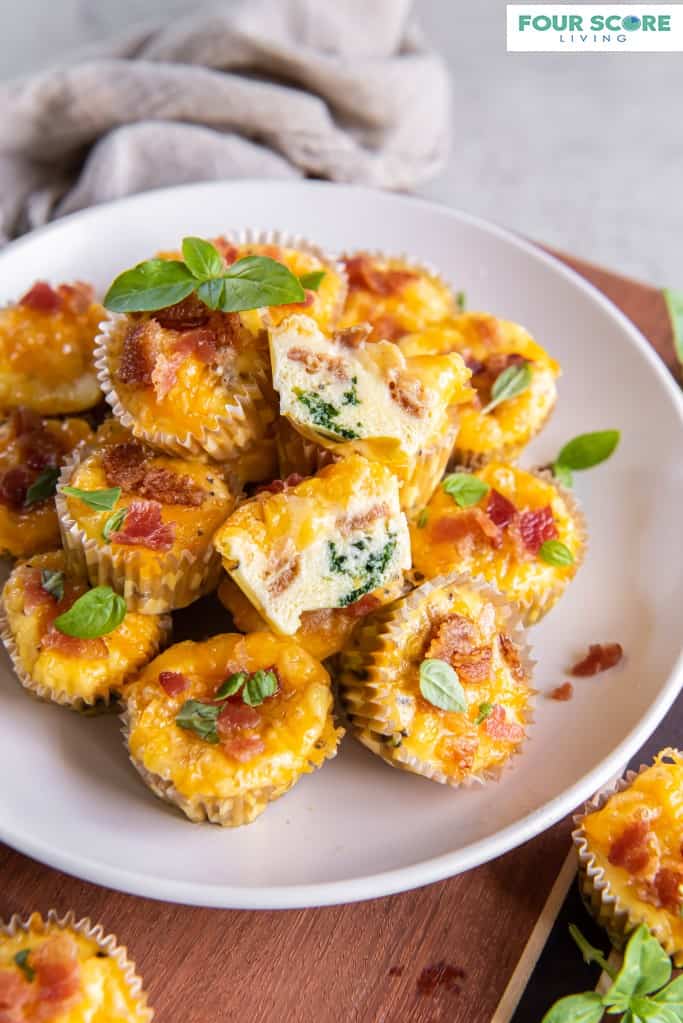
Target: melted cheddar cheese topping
(326, 542)
(83, 673)
(295, 726)
(103, 993)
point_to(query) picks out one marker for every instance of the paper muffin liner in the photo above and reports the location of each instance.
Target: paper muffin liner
(369, 702)
(602, 902)
(89, 706)
(232, 434)
(464, 458)
(428, 468)
(176, 580)
(229, 812)
(299, 454)
(107, 943)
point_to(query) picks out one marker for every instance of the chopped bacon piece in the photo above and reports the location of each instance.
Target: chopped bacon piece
(91, 649)
(42, 297)
(363, 606)
(15, 992)
(510, 652)
(600, 657)
(387, 328)
(76, 297)
(143, 527)
(562, 693)
(58, 977)
(500, 510)
(408, 393)
(535, 527)
(236, 716)
(124, 465)
(137, 357)
(667, 884)
(475, 667)
(463, 529)
(14, 485)
(165, 373)
(353, 337)
(244, 748)
(278, 486)
(172, 682)
(631, 849)
(185, 315)
(228, 251)
(313, 362)
(34, 593)
(498, 727)
(474, 365)
(40, 449)
(454, 635)
(170, 487)
(351, 523)
(200, 343)
(364, 275)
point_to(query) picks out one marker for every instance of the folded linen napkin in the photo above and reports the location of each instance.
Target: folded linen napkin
(264, 88)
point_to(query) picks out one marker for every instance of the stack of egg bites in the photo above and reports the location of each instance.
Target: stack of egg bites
(341, 472)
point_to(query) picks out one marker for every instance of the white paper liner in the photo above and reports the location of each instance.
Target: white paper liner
(178, 580)
(366, 702)
(601, 901)
(108, 943)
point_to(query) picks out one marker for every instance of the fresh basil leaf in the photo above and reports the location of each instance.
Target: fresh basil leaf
(583, 1008)
(554, 552)
(21, 959)
(199, 717)
(100, 500)
(259, 687)
(96, 613)
(464, 488)
(588, 449)
(202, 258)
(509, 384)
(461, 301)
(312, 280)
(485, 710)
(43, 486)
(52, 583)
(114, 523)
(422, 519)
(650, 1011)
(440, 686)
(672, 995)
(212, 292)
(231, 685)
(151, 285)
(646, 968)
(562, 474)
(589, 953)
(257, 281)
(674, 304)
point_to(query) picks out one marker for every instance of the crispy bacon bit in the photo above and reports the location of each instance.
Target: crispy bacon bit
(58, 977)
(137, 357)
(474, 365)
(143, 527)
(667, 884)
(34, 594)
(42, 298)
(498, 727)
(387, 328)
(244, 748)
(91, 649)
(353, 337)
(165, 373)
(228, 251)
(364, 274)
(76, 297)
(40, 449)
(352, 523)
(510, 652)
(453, 636)
(461, 749)
(172, 682)
(282, 570)
(14, 485)
(500, 510)
(200, 343)
(15, 992)
(476, 667)
(600, 657)
(278, 486)
(408, 393)
(562, 693)
(236, 716)
(185, 315)
(124, 465)
(631, 849)
(535, 527)
(363, 606)
(465, 528)
(313, 362)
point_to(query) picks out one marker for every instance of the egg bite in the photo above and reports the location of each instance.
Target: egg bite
(76, 673)
(188, 380)
(46, 350)
(322, 633)
(325, 542)
(628, 840)
(31, 450)
(509, 535)
(142, 522)
(348, 394)
(471, 634)
(490, 347)
(67, 971)
(224, 727)
(393, 295)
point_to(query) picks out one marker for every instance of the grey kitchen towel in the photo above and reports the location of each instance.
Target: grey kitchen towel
(260, 88)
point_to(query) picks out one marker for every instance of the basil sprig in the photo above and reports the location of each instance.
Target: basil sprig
(43, 486)
(674, 305)
(202, 718)
(114, 523)
(99, 500)
(249, 283)
(464, 488)
(96, 613)
(460, 301)
(52, 583)
(640, 989)
(554, 552)
(485, 711)
(312, 281)
(259, 687)
(583, 452)
(21, 959)
(440, 686)
(509, 384)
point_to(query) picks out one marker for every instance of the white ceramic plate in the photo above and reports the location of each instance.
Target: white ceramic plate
(358, 829)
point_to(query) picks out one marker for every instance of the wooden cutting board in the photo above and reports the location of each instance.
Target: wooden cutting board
(458, 951)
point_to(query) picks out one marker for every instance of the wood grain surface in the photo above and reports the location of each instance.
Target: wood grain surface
(441, 954)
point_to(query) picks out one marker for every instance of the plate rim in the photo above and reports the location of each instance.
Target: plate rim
(422, 872)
